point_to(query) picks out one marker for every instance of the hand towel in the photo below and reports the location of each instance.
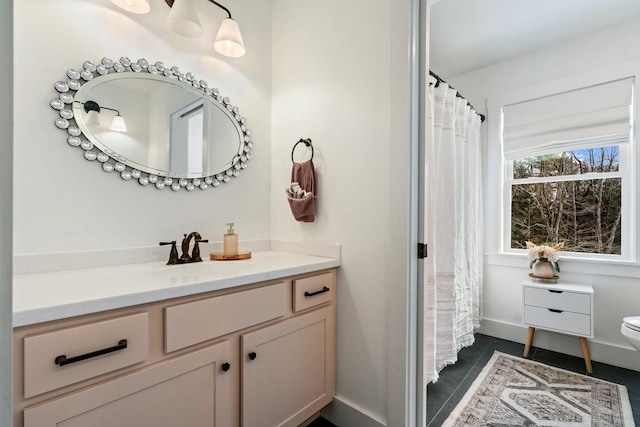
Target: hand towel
(302, 191)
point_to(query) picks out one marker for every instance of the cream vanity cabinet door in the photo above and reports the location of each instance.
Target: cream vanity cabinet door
(288, 370)
(189, 390)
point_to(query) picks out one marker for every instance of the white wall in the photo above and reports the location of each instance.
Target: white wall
(334, 70)
(617, 288)
(6, 177)
(64, 203)
(342, 81)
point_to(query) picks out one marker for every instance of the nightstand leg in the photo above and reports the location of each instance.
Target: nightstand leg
(585, 352)
(527, 345)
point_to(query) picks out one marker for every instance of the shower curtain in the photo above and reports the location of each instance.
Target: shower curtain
(453, 210)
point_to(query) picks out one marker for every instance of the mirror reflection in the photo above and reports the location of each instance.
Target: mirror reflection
(153, 124)
(157, 125)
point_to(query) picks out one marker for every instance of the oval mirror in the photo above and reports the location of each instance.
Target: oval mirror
(153, 123)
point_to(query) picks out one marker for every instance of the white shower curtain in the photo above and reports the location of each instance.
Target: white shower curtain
(453, 210)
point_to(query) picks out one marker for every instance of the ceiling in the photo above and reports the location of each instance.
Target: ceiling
(470, 34)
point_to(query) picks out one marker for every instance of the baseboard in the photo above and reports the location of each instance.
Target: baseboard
(343, 413)
(611, 354)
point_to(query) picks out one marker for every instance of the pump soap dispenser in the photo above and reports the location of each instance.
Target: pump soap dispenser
(230, 245)
(230, 242)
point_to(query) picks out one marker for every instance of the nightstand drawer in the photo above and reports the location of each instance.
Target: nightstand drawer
(558, 299)
(564, 321)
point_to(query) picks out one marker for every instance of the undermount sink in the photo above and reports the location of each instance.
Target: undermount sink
(205, 269)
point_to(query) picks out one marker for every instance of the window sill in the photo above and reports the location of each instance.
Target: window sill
(571, 265)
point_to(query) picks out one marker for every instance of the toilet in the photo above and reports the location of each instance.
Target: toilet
(631, 329)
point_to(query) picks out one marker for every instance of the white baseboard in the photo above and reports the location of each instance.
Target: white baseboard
(343, 413)
(611, 354)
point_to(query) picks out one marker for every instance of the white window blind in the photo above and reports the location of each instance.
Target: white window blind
(590, 117)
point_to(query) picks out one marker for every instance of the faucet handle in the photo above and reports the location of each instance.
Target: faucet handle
(195, 255)
(173, 255)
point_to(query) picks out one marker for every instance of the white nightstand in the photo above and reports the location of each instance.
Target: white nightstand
(560, 307)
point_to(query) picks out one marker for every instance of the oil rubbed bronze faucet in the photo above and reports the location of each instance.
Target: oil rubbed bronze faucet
(186, 242)
(195, 254)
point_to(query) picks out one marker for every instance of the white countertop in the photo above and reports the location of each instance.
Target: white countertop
(42, 297)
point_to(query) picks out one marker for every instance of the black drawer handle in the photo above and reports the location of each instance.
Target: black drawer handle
(225, 366)
(554, 291)
(553, 310)
(62, 360)
(321, 291)
(252, 355)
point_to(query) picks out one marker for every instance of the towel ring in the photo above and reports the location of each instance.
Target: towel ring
(305, 141)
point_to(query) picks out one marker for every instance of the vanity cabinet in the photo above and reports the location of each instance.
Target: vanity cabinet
(254, 355)
(192, 389)
(287, 370)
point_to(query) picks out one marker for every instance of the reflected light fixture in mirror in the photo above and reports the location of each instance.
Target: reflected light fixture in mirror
(118, 123)
(133, 6)
(92, 109)
(185, 21)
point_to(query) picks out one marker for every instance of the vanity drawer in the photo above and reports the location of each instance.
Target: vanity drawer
(564, 321)
(558, 299)
(44, 371)
(195, 322)
(312, 291)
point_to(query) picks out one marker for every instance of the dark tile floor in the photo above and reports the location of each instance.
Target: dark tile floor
(321, 422)
(454, 380)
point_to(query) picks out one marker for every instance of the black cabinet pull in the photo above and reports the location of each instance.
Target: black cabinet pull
(252, 355)
(553, 310)
(225, 367)
(62, 359)
(554, 291)
(321, 291)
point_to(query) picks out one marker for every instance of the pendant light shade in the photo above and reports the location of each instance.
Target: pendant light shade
(133, 6)
(183, 19)
(229, 40)
(93, 119)
(118, 124)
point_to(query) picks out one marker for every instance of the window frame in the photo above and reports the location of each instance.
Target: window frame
(497, 177)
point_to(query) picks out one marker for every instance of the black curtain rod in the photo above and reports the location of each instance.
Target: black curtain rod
(440, 80)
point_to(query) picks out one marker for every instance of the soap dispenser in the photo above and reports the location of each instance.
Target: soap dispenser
(230, 242)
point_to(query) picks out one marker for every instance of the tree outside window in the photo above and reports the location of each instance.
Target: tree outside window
(573, 196)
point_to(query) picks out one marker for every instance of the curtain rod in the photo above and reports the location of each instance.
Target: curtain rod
(440, 80)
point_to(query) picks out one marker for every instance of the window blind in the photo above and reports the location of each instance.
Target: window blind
(590, 117)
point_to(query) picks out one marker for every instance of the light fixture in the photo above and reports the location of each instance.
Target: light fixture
(229, 40)
(92, 109)
(184, 20)
(118, 123)
(133, 6)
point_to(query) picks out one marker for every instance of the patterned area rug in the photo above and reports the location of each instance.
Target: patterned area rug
(512, 391)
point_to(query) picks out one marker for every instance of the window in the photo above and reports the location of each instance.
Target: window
(567, 170)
